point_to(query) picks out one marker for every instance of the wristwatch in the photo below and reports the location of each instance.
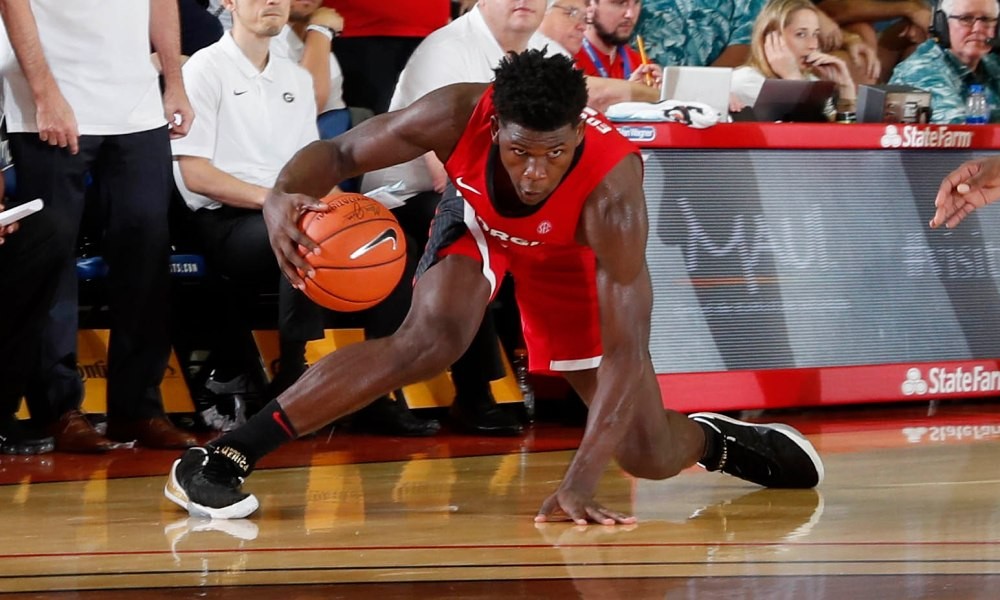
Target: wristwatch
(329, 32)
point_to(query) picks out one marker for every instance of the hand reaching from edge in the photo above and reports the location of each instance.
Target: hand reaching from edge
(972, 185)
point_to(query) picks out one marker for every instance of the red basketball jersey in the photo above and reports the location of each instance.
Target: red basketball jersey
(554, 224)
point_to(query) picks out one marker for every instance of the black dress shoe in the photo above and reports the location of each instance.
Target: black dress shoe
(386, 416)
(479, 417)
(20, 437)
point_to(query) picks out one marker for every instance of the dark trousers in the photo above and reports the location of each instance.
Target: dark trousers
(237, 248)
(371, 67)
(38, 291)
(243, 265)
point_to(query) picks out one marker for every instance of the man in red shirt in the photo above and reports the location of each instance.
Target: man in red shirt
(553, 195)
(378, 39)
(606, 51)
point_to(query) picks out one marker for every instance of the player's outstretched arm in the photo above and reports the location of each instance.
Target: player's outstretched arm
(614, 225)
(972, 185)
(433, 123)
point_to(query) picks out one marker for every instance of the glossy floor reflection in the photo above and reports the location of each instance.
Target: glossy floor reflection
(908, 510)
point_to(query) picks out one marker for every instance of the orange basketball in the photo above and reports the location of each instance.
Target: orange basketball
(362, 253)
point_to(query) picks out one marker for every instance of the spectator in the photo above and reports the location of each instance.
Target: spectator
(308, 41)
(67, 117)
(606, 52)
(785, 45)
(960, 56)
(17, 348)
(565, 24)
(698, 32)
(903, 25)
(377, 43)
(199, 27)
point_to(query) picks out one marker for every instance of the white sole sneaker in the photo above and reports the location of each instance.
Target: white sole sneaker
(176, 494)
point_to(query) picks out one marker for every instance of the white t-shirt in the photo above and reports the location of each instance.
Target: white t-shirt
(464, 51)
(746, 84)
(102, 67)
(289, 44)
(249, 123)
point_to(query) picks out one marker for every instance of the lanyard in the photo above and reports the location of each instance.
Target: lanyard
(594, 58)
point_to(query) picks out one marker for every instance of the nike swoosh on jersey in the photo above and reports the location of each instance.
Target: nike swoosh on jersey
(389, 235)
(466, 186)
(236, 93)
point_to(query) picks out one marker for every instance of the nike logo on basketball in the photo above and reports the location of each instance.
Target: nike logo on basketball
(465, 186)
(389, 235)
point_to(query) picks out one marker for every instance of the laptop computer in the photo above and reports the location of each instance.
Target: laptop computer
(708, 85)
(793, 100)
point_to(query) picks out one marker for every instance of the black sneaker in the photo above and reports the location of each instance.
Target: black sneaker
(18, 437)
(483, 416)
(772, 455)
(386, 416)
(206, 482)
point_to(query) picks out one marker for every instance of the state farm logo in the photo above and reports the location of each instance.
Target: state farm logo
(941, 380)
(950, 433)
(914, 383)
(912, 136)
(914, 435)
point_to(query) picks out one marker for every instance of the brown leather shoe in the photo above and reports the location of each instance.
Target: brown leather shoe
(157, 432)
(74, 433)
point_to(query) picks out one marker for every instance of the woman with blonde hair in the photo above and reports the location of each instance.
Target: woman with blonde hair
(785, 45)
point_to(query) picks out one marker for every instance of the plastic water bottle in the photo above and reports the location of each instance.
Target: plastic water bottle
(977, 109)
(521, 373)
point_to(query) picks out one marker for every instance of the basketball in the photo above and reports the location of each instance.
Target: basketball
(362, 253)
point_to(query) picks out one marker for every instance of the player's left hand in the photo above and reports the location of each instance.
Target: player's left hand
(974, 184)
(567, 503)
(281, 215)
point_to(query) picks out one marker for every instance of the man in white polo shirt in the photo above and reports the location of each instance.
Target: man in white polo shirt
(256, 107)
(83, 97)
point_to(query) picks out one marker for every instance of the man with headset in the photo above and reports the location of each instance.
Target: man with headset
(956, 56)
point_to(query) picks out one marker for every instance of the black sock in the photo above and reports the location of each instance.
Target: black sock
(713, 446)
(262, 434)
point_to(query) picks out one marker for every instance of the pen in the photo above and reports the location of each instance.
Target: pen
(645, 60)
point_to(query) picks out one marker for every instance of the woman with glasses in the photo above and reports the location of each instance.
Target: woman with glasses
(957, 56)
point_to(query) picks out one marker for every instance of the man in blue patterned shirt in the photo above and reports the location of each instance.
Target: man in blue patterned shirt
(698, 32)
(960, 57)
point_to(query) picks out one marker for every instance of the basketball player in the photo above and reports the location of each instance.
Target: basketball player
(552, 194)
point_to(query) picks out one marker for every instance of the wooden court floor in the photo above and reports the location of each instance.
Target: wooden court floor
(909, 509)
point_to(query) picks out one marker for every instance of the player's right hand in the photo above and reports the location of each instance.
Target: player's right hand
(282, 213)
(974, 184)
(57, 122)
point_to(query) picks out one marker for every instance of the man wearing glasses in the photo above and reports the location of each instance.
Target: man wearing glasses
(957, 56)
